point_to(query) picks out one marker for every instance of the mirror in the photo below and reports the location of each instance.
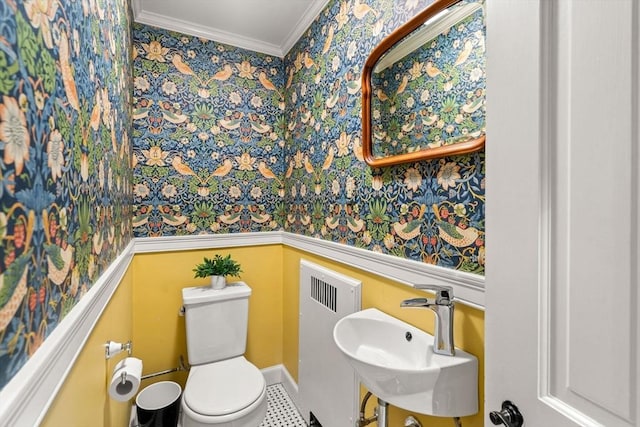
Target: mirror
(423, 87)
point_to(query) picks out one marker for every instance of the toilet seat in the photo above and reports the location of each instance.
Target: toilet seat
(224, 389)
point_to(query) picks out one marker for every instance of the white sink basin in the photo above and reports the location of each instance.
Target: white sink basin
(403, 370)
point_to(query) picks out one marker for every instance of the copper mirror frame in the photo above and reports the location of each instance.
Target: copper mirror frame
(367, 141)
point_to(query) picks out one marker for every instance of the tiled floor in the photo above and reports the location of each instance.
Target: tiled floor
(281, 412)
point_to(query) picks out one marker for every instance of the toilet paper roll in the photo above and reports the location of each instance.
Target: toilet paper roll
(129, 370)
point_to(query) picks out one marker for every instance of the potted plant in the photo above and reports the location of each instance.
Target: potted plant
(218, 268)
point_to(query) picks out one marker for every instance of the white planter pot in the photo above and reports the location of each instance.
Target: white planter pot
(218, 282)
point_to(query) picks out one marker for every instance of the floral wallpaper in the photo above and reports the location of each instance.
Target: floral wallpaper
(433, 96)
(65, 189)
(215, 139)
(208, 125)
(228, 140)
(429, 211)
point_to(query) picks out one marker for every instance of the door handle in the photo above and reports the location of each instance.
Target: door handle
(509, 416)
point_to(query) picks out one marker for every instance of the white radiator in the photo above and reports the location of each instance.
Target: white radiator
(327, 384)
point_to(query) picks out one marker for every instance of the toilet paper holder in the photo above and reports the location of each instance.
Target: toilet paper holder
(125, 380)
(111, 348)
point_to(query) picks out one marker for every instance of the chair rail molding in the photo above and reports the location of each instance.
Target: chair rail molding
(25, 400)
(468, 287)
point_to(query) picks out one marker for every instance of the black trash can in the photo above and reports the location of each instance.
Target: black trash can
(158, 405)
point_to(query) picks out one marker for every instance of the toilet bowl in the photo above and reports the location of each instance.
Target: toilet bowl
(223, 388)
(229, 393)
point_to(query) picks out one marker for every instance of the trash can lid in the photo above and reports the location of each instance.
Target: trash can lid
(223, 387)
(158, 395)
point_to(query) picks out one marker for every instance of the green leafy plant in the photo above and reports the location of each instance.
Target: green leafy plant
(218, 266)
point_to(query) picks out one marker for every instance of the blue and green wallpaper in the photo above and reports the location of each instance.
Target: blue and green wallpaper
(434, 95)
(228, 140)
(65, 189)
(208, 125)
(430, 211)
(200, 138)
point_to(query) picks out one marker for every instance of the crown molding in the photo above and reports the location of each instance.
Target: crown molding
(136, 7)
(435, 26)
(310, 15)
(185, 27)
(191, 29)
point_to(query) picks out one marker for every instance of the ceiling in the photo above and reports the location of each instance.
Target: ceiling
(267, 26)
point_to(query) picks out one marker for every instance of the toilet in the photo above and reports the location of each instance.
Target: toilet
(223, 388)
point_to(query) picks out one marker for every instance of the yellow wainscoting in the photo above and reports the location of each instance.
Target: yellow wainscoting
(146, 306)
(83, 400)
(158, 329)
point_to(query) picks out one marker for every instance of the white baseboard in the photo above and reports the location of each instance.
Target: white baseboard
(273, 374)
(291, 386)
(278, 374)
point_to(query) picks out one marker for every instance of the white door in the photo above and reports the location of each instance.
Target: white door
(563, 208)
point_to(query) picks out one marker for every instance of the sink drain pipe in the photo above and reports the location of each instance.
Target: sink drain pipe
(380, 415)
(410, 421)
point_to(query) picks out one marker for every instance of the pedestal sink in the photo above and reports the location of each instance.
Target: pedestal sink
(396, 362)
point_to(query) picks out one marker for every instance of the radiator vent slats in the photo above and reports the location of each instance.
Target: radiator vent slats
(324, 293)
(327, 385)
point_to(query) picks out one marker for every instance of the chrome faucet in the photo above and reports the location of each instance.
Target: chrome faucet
(442, 306)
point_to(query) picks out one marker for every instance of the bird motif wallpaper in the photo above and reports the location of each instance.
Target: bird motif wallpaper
(429, 211)
(208, 125)
(200, 137)
(228, 140)
(65, 175)
(434, 95)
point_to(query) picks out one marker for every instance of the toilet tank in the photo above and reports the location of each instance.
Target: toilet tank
(216, 322)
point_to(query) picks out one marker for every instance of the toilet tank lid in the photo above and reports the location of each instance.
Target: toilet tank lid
(202, 294)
